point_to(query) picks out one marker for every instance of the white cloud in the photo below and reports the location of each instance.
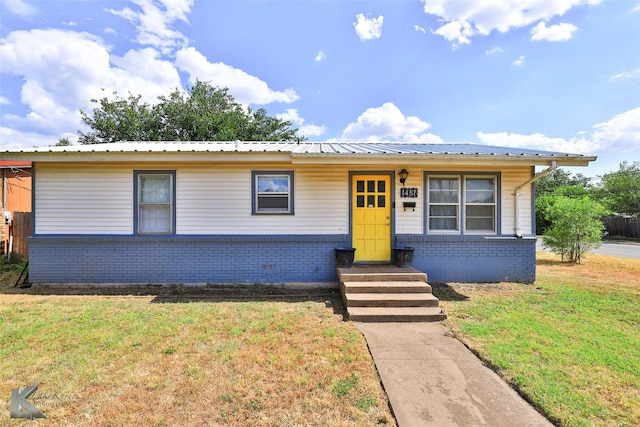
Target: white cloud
(320, 56)
(621, 133)
(291, 114)
(311, 130)
(19, 7)
(384, 123)
(462, 20)
(419, 29)
(154, 21)
(627, 75)
(4, 100)
(458, 32)
(245, 88)
(63, 70)
(519, 62)
(423, 138)
(14, 139)
(368, 29)
(493, 51)
(553, 33)
(536, 141)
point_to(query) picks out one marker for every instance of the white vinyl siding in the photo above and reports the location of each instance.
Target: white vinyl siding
(511, 178)
(409, 221)
(83, 199)
(97, 198)
(217, 200)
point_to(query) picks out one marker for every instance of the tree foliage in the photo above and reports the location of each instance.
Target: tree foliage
(576, 227)
(620, 190)
(557, 183)
(203, 113)
(63, 142)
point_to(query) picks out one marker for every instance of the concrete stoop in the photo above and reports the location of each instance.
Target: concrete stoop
(388, 294)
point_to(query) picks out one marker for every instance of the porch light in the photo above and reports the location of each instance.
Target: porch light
(403, 176)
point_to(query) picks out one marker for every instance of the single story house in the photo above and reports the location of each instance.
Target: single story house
(265, 212)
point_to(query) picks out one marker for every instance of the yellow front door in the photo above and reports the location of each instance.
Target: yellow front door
(371, 208)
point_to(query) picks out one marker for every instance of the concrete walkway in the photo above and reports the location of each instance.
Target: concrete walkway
(434, 380)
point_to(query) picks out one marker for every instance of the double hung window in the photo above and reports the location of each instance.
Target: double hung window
(462, 204)
(272, 193)
(154, 200)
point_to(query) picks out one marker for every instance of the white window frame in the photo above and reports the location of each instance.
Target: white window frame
(493, 204)
(456, 204)
(139, 204)
(462, 205)
(257, 195)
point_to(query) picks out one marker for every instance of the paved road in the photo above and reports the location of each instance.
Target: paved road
(623, 250)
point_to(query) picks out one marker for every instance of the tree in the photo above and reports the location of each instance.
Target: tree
(548, 188)
(63, 142)
(576, 227)
(620, 190)
(204, 113)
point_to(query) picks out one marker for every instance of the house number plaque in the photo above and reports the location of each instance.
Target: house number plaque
(409, 192)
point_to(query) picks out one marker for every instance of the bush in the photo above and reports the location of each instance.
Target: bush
(576, 227)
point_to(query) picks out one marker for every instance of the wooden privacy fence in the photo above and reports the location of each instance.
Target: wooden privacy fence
(18, 231)
(618, 226)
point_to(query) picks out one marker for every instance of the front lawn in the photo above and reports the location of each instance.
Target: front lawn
(570, 343)
(145, 360)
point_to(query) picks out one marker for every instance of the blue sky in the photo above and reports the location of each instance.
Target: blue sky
(560, 75)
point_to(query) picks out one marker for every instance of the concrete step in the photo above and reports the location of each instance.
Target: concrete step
(391, 300)
(385, 287)
(396, 314)
(380, 274)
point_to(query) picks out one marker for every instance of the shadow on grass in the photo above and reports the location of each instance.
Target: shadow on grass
(444, 292)
(551, 262)
(179, 294)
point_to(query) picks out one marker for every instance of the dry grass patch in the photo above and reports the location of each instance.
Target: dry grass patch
(123, 360)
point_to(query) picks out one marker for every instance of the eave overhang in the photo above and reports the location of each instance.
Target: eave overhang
(304, 153)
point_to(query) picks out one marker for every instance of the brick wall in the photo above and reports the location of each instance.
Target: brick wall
(184, 259)
(473, 259)
(263, 259)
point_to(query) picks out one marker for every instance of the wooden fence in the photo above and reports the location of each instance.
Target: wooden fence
(618, 226)
(17, 232)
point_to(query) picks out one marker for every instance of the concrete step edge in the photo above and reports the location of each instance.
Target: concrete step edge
(386, 287)
(396, 314)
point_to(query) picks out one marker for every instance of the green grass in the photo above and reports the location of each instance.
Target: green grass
(570, 343)
(118, 360)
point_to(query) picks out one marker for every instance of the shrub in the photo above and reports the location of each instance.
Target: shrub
(576, 227)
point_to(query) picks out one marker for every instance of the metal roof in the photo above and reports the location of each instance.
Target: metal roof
(304, 150)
